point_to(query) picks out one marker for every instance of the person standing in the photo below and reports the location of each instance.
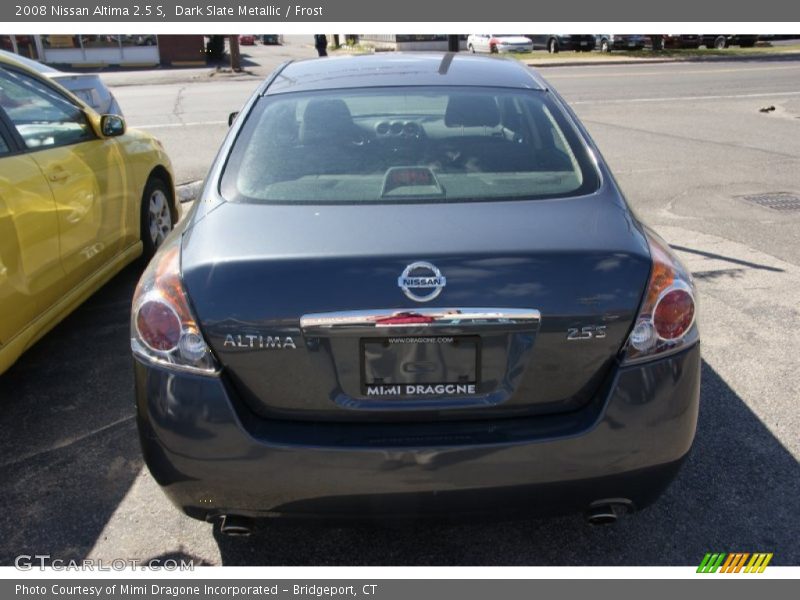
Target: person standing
(321, 44)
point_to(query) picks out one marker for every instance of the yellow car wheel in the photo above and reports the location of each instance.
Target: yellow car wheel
(157, 215)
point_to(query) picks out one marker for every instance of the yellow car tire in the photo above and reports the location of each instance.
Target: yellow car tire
(157, 215)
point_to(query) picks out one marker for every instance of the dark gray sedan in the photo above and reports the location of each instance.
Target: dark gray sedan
(412, 286)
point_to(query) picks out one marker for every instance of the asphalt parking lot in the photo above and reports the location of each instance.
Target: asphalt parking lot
(688, 144)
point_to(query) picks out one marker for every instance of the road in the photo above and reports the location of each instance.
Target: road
(679, 115)
(686, 142)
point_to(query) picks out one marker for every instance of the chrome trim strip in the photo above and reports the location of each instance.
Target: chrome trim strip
(526, 319)
(151, 360)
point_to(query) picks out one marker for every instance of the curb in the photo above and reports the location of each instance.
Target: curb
(204, 77)
(188, 192)
(600, 63)
(777, 56)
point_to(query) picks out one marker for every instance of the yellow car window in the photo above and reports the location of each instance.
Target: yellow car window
(41, 116)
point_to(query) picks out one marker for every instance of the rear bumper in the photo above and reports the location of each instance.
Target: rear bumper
(579, 44)
(514, 49)
(624, 44)
(214, 458)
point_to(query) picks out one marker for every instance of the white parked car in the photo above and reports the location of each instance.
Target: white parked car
(494, 43)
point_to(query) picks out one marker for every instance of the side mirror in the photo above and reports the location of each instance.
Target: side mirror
(112, 125)
(232, 117)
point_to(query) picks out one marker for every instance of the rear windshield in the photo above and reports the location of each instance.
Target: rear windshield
(414, 144)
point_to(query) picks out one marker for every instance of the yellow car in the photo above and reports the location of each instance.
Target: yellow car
(80, 198)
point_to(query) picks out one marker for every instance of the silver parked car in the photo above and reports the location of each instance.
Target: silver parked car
(86, 86)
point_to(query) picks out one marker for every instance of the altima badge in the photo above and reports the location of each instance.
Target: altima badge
(259, 341)
(421, 275)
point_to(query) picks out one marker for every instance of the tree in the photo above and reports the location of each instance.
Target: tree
(658, 42)
(236, 57)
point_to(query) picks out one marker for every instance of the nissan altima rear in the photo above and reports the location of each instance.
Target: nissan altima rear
(411, 286)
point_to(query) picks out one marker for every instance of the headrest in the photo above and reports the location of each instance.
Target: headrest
(472, 110)
(280, 125)
(326, 119)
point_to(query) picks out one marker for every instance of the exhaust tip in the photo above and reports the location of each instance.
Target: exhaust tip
(235, 526)
(602, 516)
(608, 510)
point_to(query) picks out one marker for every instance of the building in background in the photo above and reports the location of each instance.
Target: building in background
(94, 51)
(401, 43)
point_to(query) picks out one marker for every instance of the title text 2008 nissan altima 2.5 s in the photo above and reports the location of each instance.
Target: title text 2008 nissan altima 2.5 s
(412, 286)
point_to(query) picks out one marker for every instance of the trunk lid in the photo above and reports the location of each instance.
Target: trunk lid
(274, 289)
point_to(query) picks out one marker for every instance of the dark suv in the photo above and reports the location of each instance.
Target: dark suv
(721, 41)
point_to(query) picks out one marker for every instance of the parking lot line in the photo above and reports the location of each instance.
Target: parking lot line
(169, 125)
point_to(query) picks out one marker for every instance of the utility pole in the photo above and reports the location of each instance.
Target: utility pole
(452, 43)
(236, 57)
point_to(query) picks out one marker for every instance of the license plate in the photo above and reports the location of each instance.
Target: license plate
(420, 366)
(584, 43)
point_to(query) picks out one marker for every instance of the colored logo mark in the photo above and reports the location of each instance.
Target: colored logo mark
(734, 562)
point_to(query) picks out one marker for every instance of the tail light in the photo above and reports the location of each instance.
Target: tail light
(405, 318)
(666, 320)
(163, 329)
